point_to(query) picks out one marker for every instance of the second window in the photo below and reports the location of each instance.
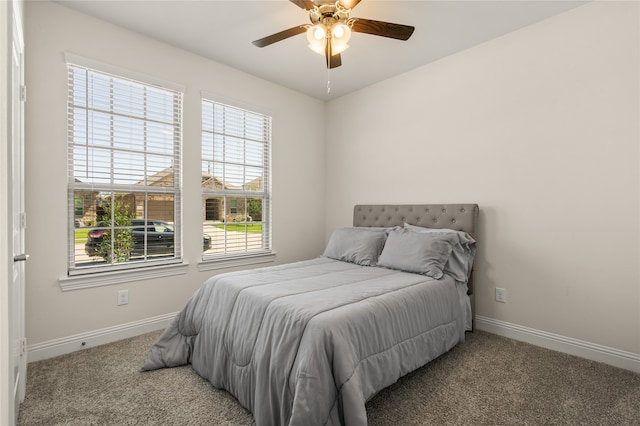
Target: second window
(235, 181)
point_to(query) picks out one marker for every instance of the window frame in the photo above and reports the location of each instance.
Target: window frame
(81, 276)
(211, 261)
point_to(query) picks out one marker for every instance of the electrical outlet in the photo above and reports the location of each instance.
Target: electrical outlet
(501, 295)
(123, 297)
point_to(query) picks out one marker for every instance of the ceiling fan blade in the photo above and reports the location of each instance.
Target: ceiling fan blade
(383, 29)
(349, 4)
(304, 4)
(266, 41)
(335, 61)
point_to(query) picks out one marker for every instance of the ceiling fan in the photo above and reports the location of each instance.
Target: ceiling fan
(331, 27)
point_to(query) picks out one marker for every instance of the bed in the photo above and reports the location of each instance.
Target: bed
(308, 343)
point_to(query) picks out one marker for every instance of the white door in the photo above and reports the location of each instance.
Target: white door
(18, 361)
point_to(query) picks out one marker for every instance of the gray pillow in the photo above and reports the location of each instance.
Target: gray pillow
(460, 262)
(356, 245)
(420, 253)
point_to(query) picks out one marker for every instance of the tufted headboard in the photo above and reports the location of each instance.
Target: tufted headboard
(461, 217)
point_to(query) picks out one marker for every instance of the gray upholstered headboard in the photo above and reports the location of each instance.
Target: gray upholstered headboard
(461, 217)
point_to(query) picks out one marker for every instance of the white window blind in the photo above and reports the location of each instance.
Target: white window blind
(236, 188)
(124, 162)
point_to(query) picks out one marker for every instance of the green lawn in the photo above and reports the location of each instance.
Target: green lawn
(81, 235)
(255, 228)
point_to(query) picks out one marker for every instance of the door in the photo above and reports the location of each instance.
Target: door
(18, 366)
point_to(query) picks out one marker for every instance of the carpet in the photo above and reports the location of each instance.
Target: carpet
(487, 380)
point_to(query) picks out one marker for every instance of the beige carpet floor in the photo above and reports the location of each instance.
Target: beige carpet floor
(487, 380)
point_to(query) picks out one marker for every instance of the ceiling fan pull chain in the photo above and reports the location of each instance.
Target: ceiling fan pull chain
(328, 80)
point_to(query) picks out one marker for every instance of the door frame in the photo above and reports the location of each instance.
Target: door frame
(5, 266)
(11, 35)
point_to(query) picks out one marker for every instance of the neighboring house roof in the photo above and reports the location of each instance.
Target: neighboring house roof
(255, 184)
(212, 182)
(165, 178)
(161, 178)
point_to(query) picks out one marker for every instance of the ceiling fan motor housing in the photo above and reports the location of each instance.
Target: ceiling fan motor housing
(328, 13)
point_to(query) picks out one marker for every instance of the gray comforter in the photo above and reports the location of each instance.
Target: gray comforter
(309, 343)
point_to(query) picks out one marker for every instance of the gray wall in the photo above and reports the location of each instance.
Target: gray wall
(298, 169)
(540, 128)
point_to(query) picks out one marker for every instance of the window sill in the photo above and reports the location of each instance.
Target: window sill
(98, 279)
(211, 264)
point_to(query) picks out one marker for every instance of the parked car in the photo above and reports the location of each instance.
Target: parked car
(159, 236)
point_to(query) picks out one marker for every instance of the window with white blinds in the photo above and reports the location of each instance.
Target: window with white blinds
(236, 189)
(124, 161)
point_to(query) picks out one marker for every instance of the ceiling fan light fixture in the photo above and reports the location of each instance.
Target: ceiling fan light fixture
(316, 36)
(340, 36)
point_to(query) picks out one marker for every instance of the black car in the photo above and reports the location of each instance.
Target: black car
(159, 235)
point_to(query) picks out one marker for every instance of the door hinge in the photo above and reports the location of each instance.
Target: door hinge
(23, 346)
(23, 93)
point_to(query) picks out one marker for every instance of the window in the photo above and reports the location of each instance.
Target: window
(235, 180)
(124, 172)
(78, 206)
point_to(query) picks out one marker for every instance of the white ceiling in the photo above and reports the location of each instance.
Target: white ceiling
(223, 31)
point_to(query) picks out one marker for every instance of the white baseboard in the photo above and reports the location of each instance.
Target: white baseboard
(556, 342)
(65, 345)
